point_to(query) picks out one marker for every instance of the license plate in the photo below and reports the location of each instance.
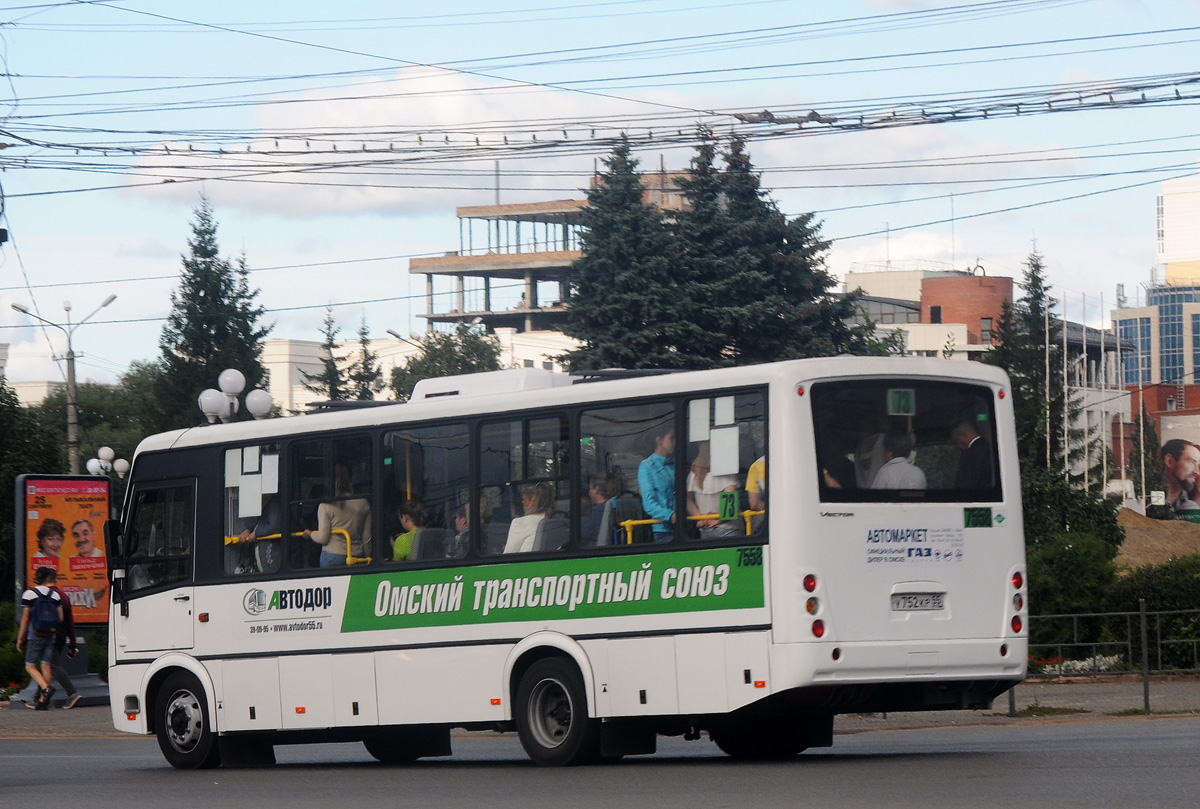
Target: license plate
(910, 602)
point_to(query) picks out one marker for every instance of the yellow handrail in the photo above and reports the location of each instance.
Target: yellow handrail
(748, 515)
(351, 559)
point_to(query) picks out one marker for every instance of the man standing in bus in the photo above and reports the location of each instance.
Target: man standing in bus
(656, 477)
(898, 472)
(975, 463)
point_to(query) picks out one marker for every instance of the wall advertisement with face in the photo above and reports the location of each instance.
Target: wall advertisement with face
(63, 528)
(1180, 456)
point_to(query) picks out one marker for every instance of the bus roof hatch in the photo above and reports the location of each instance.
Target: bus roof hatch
(489, 383)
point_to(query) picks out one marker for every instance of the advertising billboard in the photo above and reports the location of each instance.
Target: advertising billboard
(60, 524)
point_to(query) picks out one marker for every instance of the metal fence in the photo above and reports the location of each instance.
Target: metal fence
(1165, 642)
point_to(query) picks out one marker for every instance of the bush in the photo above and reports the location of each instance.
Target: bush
(1068, 573)
(12, 662)
(1173, 585)
(1052, 508)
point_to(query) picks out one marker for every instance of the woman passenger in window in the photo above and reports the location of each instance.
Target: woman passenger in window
(704, 496)
(344, 525)
(536, 499)
(412, 516)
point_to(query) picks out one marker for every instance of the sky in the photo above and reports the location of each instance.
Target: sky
(334, 141)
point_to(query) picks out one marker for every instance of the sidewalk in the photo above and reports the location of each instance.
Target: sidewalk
(1037, 701)
(1056, 700)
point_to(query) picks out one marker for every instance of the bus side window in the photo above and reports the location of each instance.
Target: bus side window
(727, 472)
(160, 545)
(613, 442)
(253, 533)
(331, 519)
(524, 466)
(426, 503)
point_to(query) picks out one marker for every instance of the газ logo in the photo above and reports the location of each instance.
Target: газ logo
(255, 602)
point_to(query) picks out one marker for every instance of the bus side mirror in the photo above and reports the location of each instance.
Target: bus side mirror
(112, 538)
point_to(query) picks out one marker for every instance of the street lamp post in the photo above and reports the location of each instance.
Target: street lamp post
(72, 392)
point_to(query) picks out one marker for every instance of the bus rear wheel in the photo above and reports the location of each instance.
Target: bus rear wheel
(181, 721)
(552, 716)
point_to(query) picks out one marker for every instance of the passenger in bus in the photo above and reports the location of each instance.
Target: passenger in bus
(462, 526)
(656, 479)
(975, 463)
(351, 516)
(756, 484)
(898, 472)
(269, 523)
(599, 501)
(704, 496)
(536, 501)
(412, 516)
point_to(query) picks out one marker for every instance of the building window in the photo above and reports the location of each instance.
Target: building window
(985, 331)
(528, 363)
(935, 314)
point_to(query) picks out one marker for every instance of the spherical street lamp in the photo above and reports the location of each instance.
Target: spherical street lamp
(106, 461)
(223, 404)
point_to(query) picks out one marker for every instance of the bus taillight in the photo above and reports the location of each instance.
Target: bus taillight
(1016, 623)
(818, 628)
(810, 582)
(1018, 580)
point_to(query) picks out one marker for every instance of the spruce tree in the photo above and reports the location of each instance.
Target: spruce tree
(214, 324)
(782, 304)
(1025, 331)
(710, 262)
(333, 381)
(629, 306)
(365, 369)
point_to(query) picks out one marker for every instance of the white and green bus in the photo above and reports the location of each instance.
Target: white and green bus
(589, 561)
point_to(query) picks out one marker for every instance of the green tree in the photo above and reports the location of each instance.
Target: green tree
(462, 351)
(1026, 329)
(629, 307)
(333, 381)
(108, 417)
(783, 304)
(711, 263)
(214, 324)
(364, 371)
(26, 447)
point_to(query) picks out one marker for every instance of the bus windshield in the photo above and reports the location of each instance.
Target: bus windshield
(888, 440)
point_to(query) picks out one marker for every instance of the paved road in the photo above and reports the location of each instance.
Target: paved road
(1092, 764)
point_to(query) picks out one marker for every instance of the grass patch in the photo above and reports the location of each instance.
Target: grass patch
(1144, 712)
(1049, 710)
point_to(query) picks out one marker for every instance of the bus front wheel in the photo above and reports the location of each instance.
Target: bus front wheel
(552, 716)
(185, 734)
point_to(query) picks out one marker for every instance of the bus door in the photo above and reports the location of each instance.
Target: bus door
(155, 590)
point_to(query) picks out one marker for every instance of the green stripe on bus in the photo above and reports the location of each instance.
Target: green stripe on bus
(557, 589)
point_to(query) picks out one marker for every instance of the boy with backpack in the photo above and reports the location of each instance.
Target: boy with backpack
(39, 625)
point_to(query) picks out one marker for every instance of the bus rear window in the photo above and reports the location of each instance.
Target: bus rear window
(895, 440)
